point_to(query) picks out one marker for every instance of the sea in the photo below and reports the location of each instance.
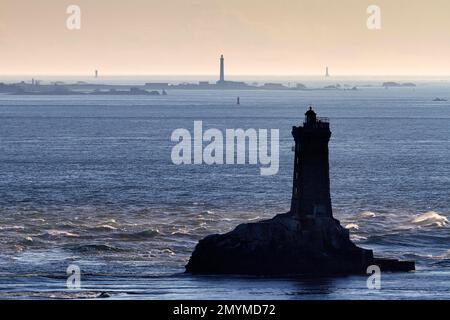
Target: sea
(88, 181)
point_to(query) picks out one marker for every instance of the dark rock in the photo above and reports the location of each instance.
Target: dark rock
(394, 265)
(282, 245)
(104, 295)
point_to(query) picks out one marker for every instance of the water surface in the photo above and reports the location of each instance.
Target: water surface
(89, 181)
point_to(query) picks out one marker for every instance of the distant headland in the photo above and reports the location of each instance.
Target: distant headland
(397, 84)
(36, 87)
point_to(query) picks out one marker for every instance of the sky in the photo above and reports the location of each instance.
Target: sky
(257, 37)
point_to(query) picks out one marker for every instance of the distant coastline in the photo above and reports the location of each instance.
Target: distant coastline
(160, 88)
(37, 87)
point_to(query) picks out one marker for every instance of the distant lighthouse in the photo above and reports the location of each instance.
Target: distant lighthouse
(327, 74)
(96, 73)
(222, 69)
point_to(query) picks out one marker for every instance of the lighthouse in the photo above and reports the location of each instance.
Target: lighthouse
(305, 240)
(222, 69)
(311, 181)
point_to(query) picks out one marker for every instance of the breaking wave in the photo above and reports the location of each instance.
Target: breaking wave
(351, 226)
(104, 227)
(95, 248)
(59, 233)
(357, 238)
(367, 214)
(9, 228)
(430, 218)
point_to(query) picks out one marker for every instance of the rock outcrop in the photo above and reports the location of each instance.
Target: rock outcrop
(282, 245)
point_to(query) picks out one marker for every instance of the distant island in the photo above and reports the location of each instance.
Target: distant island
(61, 89)
(161, 88)
(150, 88)
(131, 91)
(396, 84)
(36, 87)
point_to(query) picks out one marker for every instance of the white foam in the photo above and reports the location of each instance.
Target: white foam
(355, 237)
(367, 214)
(107, 226)
(8, 228)
(444, 256)
(430, 218)
(351, 226)
(61, 233)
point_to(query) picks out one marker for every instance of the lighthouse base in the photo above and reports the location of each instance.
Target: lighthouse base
(286, 245)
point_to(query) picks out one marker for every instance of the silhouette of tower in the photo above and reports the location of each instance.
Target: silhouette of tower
(311, 183)
(327, 74)
(96, 73)
(222, 69)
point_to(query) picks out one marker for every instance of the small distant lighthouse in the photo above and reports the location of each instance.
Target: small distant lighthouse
(96, 73)
(222, 69)
(311, 182)
(327, 74)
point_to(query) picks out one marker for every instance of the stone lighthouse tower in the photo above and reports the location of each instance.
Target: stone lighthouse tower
(311, 182)
(306, 240)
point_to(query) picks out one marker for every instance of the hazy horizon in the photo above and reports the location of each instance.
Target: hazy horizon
(287, 37)
(212, 78)
(239, 75)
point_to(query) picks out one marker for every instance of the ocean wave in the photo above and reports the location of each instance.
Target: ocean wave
(165, 251)
(58, 295)
(444, 256)
(227, 219)
(367, 214)
(10, 228)
(140, 235)
(430, 218)
(104, 227)
(59, 233)
(351, 226)
(356, 237)
(86, 248)
(424, 256)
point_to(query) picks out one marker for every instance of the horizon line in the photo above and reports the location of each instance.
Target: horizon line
(215, 75)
